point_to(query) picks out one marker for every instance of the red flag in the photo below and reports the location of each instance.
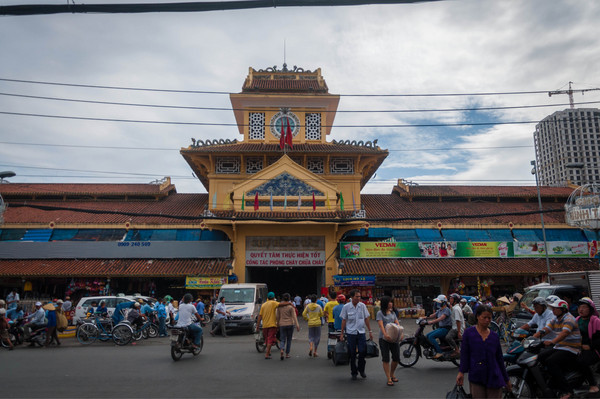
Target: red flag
(314, 202)
(256, 201)
(288, 133)
(282, 137)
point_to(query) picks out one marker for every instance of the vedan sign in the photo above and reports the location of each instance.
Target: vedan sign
(298, 251)
(444, 249)
(204, 282)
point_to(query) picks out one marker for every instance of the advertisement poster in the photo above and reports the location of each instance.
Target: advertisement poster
(203, 282)
(567, 249)
(278, 251)
(353, 281)
(444, 249)
(380, 250)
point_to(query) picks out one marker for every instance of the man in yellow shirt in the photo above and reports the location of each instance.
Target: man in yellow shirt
(268, 317)
(329, 310)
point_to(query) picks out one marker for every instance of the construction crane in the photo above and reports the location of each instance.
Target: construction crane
(570, 93)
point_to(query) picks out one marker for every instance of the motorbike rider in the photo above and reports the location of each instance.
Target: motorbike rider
(15, 313)
(188, 314)
(542, 315)
(4, 336)
(458, 324)
(37, 320)
(134, 317)
(589, 326)
(567, 345)
(443, 317)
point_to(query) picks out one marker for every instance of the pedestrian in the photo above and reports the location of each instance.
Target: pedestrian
(298, 302)
(337, 312)
(388, 344)
(4, 336)
(51, 334)
(221, 314)
(286, 320)
(355, 323)
(12, 299)
(481, 357)
(268, 317)
(567, 346)
(328, 310)
(589, 327)
(67, 304)
(161, 312)
(200, 307)
(313, 313)
(61, 319)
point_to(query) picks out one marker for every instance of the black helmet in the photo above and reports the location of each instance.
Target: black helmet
(456, 297)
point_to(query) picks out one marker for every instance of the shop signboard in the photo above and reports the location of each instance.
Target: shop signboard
(557, 249)
(204, 282)
(353, 281)
(392, 281)
(275, 251)
(418, 249)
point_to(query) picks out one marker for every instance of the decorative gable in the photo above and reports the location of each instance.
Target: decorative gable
(285, 184)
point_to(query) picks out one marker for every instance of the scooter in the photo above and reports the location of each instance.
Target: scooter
(181, 342)
(37, 336)
(15, 332)
(530, 378)
(412, 348)
(516, 348)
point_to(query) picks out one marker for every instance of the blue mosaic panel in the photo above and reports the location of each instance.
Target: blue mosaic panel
(285, 184)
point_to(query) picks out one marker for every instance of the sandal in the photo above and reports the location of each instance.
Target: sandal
(310, 353)
(287, 356)
(390, 383)
(267, 357)
(394, 379)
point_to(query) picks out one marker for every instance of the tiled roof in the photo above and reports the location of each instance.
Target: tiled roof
(465, 266)
(285, 85)
(481, 191)
(385, 206)
(82, 189)
(265, 215)
(112, 268)
(327, 148)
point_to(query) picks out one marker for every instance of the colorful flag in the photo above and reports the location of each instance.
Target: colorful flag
(271, 202)
(299, 201)
(243, 201)
(314, 202)
(288, 133)
(327, 202)
(214, 201)
(353, 202)
(341, 201)
(256, 201)
(282, 137)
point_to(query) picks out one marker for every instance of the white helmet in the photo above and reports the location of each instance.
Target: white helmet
(441, 299)
(2, 311)
(560, 303)
(551, 299)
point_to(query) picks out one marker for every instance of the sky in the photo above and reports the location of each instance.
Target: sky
(461, 47)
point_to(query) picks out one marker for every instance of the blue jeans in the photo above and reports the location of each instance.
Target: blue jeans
(354, 341)
(162, 326)
(197, 331)
(439, 333)
(286, 333)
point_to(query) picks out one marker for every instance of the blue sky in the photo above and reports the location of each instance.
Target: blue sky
(440, 47)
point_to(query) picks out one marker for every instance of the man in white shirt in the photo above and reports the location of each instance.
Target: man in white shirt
(355, 322)
(12, 299)
(458, 324)
(188, 315)
(541, 318)
(36, 320)
(220, 317)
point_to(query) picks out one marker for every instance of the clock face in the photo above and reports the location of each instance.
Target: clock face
(280, 120)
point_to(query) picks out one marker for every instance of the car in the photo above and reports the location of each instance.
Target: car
(86, 302)
(522, 316)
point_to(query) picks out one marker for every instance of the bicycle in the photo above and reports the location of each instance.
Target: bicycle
(95, 328)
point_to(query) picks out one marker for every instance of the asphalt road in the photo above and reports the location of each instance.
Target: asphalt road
(226, 368)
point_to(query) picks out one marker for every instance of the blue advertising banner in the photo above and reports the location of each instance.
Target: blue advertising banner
(353, 281)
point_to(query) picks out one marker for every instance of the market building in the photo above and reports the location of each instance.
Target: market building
(284, 206)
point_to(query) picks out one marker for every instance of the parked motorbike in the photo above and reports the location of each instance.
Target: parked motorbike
(15, 332)
(412, 348)
(516, 348)
(530, 378)
(181, 342)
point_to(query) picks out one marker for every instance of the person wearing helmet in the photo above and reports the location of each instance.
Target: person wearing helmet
(567, 346)
(589, 327)
(4, 336)
(35, 320)
(337, 311)
(188, 315)
(458, 324)
(443, 318)
(328, 310)
(542, 316)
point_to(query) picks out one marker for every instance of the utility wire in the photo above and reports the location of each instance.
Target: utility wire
(506, 93)
(322, 111)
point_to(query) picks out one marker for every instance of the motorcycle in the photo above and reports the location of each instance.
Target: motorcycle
(530, 378)
(516, 348)
(37, 336)
(412, 348)
(15, 332)
(332, 339)
(181, 342)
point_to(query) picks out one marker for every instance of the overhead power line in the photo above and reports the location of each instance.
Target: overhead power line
(500, 93)
(322, 111)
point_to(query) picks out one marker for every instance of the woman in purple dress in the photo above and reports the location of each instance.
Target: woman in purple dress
(481, 357)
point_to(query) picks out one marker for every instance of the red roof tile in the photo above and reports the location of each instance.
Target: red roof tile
(113, 268)
(326, 148)
(481, 191)
(285, 85)
(83, 188)
(465, 266)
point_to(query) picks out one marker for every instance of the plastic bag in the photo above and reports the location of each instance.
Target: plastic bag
(372, 349)
(457, 393)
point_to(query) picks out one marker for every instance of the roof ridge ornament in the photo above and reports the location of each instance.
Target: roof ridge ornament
(285, 69)
(359, 143)
(204, 143)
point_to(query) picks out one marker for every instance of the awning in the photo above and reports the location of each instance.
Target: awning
(113, 267)
(465, 266)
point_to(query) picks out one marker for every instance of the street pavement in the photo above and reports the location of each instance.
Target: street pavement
(227, 368)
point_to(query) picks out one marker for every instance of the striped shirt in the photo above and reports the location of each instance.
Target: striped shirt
(566, 322)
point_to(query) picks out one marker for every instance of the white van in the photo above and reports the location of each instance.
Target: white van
(243, 302)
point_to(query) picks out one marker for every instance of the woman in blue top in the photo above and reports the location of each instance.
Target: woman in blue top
(481, 357)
